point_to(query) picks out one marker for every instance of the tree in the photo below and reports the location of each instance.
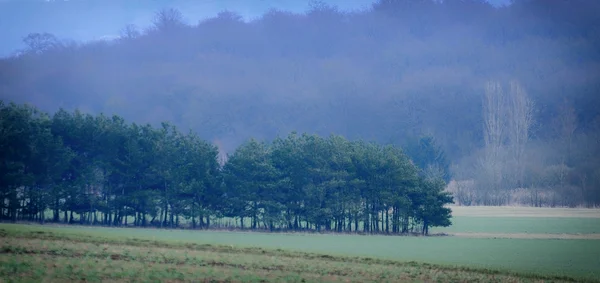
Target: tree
(16, 122)
(48, 163)
(432, 211)
(249, 177)
(429, 157)
(495, 123)
(508, 118)
(130, 32)
(290, 164)
(100, 170)
(38, 43)
(168, 20)
(520, 121)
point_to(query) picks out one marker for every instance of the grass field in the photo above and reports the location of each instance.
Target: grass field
(53, 253)
(535, 225)
(523, 220)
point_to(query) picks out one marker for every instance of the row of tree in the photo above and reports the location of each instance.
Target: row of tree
(87, 169)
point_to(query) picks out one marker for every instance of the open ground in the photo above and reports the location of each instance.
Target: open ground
(485, 244)
(524, 222)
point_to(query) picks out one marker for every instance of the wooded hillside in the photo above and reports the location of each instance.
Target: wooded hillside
(510, 94)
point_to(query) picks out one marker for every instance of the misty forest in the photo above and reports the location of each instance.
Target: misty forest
(365, 121)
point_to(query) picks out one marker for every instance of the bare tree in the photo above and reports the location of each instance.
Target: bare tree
(494, 130)
(168, 19)
(41, 42)
(494, 113)
(130, 32)
(507, 121)
(520, 120)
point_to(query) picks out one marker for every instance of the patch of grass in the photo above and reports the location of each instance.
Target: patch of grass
(60, 260)
(522, 211)
(529, 236)
(537, 225)
(555, 259)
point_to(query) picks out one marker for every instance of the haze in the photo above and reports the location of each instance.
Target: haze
(390, 72)
(237, 140)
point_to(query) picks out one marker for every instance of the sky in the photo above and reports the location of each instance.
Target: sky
(84, 20)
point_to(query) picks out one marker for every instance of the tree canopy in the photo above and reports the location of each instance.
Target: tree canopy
(101, 170)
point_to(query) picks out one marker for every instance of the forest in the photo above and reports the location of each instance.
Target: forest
(105, 170)
(507, 96)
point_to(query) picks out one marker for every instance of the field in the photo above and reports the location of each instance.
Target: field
(484, 245)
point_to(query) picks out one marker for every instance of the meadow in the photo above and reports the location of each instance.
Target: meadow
(524, 220)
(484, 245)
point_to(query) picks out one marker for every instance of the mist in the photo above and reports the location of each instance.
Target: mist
(383, 71)
(96, 20)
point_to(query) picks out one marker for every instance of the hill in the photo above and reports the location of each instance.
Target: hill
(394, 72)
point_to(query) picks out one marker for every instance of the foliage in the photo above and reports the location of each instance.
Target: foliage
(101, 170)
(428, 156)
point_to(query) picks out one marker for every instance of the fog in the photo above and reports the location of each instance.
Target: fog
(385, 71)
(94, 19)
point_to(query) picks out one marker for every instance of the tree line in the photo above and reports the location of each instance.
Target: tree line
(80, 168)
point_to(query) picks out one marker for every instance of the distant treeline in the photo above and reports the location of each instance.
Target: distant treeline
(87, 169)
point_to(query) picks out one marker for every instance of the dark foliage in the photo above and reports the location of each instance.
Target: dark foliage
(101, 170)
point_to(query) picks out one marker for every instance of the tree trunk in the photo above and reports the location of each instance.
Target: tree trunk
(12, 207)
(200, 221)
(56, 216)
(172, 219)
(387, 221)
(115, 219)
(394, 220)
(366, 224)
(425, 227)
(254, 216)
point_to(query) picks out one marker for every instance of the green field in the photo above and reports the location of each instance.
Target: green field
(538, 225)
(532, 259)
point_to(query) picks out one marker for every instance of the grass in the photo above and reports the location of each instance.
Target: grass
(533, 220)
(519, 211)
(502, 251)
(51, 255)
(535, 224)
(571, 258)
